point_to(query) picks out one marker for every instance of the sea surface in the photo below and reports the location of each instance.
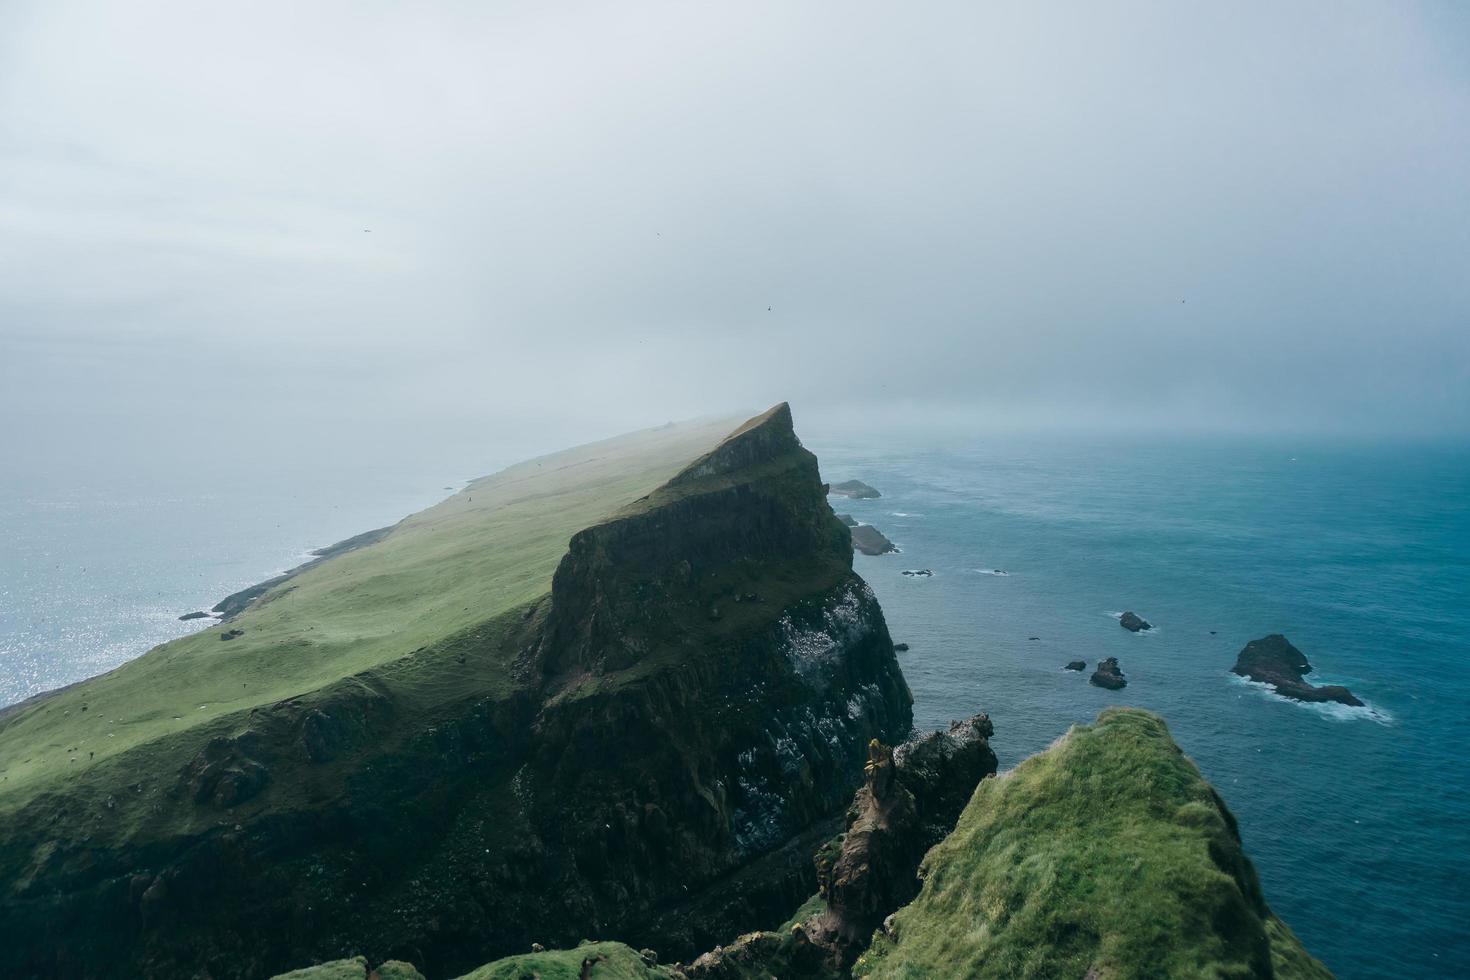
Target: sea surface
(1358, 820)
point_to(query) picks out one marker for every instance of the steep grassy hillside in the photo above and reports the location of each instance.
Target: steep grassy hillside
(489, 548)
(602, 693)
(1106, 856)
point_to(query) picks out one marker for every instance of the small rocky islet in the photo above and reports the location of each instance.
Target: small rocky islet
(853, 490)
(1134, 623)
(1108, 675)
(1275, 661)
(871, 541)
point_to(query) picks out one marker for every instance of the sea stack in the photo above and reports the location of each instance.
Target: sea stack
(1076, 665)
(1108, 675)
(854, 489)
(871, 541)
(1273, 660)
(1134, 623)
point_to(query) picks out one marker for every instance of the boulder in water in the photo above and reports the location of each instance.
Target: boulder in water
(871, 541)
(1134, 623)
(854, 489)
(1273, 660)
(1108, 675)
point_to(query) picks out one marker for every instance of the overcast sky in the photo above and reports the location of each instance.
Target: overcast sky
(298, 221)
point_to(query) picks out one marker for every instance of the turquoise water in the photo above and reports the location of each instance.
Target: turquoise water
(1357, 820)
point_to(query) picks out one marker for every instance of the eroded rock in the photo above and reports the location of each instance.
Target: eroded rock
(1273, 660)
(1108, 675)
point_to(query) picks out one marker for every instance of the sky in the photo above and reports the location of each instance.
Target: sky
(266, 227)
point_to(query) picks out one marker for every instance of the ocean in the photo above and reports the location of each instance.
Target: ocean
(1358, 820)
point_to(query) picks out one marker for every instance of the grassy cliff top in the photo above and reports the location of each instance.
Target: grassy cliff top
(477, 554)
(1106, 856)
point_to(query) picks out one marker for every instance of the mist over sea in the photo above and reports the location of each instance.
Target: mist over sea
(1360, 555)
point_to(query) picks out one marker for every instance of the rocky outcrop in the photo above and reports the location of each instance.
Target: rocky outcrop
(1076, 665)
(1134, 623)
(869, 872)
(226, 772)
(848, 520)
(941, 770)
(854, 489)
(870, 541)
(1273, 660)
(909, 801)
(607, 759)
(1108, 675)
(198, 614)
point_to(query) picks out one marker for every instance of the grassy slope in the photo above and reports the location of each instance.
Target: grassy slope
(475, 555)
(1107, 852)
(614, 961)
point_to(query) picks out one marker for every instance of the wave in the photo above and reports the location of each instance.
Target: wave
(901, 513)
(991, 571)
(1330, 710)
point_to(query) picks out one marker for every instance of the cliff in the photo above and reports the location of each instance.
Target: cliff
(440, 750)
(1106, 857)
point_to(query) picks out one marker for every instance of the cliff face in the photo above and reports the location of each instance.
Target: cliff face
(694, 692)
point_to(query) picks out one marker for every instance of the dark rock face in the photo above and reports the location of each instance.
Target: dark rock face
(1076, 665)
(941, 770)
(1273, 660)
(910, 800)
(900, 648)
(1134, 623)
(194, 615)
(871, 872)
(847, 519)
(854, 489)
(225, 773)
(1108, 675)
(918, 572)
(870, 541)
(607, 760)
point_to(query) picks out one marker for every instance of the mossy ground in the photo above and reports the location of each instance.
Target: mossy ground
(614, 961)
(1107, 852)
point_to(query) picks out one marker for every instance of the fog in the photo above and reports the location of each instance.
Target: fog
(274, 228)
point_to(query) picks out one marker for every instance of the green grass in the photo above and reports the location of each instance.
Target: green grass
(614, 962)
(484, 551)
(1106, 852)
(353, 969)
